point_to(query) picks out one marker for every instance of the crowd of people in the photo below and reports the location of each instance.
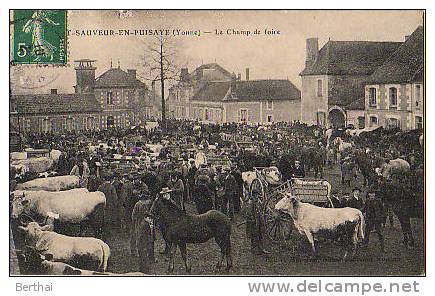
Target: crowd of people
(121, 164)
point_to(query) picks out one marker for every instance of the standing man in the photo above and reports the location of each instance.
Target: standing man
(355, 200)
(177, 188)
(230, 196)
(374, 212)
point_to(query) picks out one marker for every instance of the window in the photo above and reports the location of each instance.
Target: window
(90, 123)
(200, 114)
(269, 105)
(46, 125)
(207, 114)
(392, 123)
(321, 118)
(110, 122)
(269, 118)
(393, 97)
(243, 115)
(418, 122)
(372, 97)
(417, 95)
(373, 121)
(69, 124)
(109, 98)
(361, 122)
(319, 88)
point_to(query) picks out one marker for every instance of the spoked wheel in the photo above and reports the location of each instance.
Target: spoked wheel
(278, 225)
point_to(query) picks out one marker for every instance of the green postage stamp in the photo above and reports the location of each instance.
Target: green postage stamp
(39, 37)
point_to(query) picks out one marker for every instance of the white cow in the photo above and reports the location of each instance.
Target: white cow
(55, 154)
(72, 206)
(314, 222)
(57, 183)
(43, 264)
(83, 252)
(394, 166)
(35, 165)
(342, 146)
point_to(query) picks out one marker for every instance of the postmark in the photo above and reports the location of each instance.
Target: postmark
(39, 37)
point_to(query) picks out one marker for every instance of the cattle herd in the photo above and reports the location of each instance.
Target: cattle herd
(185, 182)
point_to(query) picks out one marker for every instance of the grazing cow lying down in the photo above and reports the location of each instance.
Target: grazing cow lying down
(58, 183)
(83, 252)
(37, 263)
(346, 224)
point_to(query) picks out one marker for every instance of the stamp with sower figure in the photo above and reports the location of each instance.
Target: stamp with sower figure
(39, 37)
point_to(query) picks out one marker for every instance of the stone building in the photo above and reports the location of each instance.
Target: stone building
(115, 99)
(334, 78)
(395, 91)
(212, 94)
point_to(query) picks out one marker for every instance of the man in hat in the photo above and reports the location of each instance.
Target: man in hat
(298, 171)
(231, 189)
(375, 215)
(126, 200)
(177, 187)
(110, 211)
(355, 201)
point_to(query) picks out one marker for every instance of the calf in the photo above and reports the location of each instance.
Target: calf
(83, 252)
(345, 224)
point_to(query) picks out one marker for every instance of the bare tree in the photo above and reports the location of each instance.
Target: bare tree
(160, 64)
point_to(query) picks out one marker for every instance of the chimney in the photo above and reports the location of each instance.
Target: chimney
(239, 76)
(406, 37)
(184, 74)
(132, 73)
(247, 74)
(312, 50)
(53, 91)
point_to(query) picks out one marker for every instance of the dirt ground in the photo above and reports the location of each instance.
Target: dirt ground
(287, 258)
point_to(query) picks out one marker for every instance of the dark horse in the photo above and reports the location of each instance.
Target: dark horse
(180, 229)
(405, 194)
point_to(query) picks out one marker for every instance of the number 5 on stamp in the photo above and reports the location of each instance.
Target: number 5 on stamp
(39, 37)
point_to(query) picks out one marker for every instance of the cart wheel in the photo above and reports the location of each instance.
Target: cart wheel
(278, 226)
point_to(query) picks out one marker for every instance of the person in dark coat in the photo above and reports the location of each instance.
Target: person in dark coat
(177, 188)
(191, 180)
(230, 187)
(374, 213)
(203, 196)
(355, 201)
(110, 211)
(238, 176)
(254, 226)
(126, 199)
(298, 171)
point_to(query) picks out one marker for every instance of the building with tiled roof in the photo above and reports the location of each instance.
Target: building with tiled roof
(223, 97)
(125, 99)
(394, 92)
(334, 77)
(115, 99)
(55, 112)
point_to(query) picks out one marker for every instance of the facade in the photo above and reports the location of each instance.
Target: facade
(218, 96)
(180, 95)
(54, 112)
(115, 99)
(394, 94)
(334, 79)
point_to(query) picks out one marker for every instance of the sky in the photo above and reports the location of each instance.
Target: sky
(276, 56)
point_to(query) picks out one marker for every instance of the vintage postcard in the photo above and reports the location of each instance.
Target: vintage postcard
(217, 143)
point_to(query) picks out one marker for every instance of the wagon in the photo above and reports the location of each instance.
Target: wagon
(266, 193)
